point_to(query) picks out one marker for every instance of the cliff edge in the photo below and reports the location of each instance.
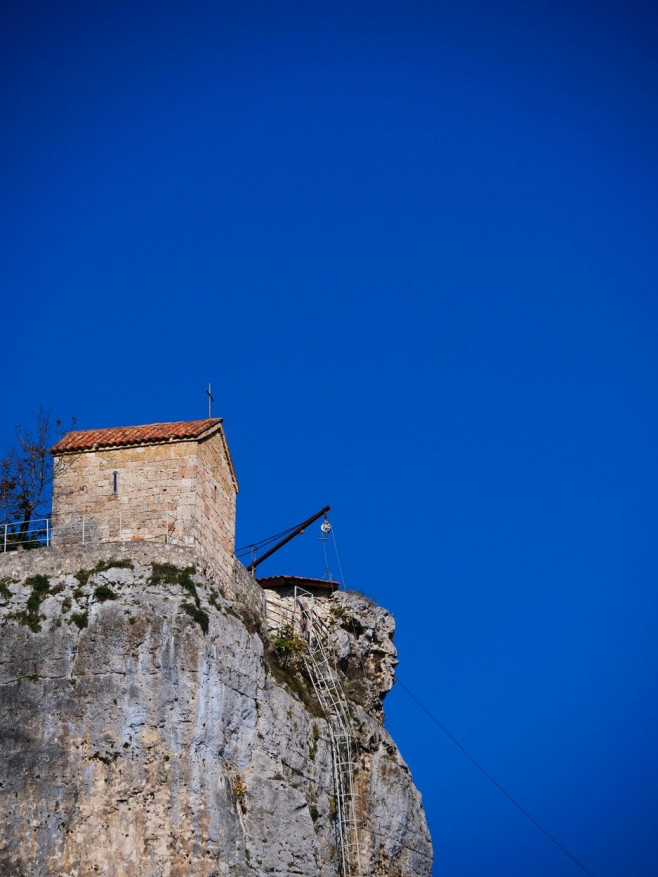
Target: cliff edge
(148, 726)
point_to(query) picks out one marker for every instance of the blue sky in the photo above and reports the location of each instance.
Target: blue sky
(413, 246)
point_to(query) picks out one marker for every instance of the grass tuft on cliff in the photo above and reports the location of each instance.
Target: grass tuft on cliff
(80, 619)
(103, 593)
(5, 593)
(83, 575)
(31, 617)
(168, 574)
(199, 615)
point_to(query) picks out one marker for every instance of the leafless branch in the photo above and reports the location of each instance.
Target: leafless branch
(26, 471)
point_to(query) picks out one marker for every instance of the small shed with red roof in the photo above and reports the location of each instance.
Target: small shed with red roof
(160, 481)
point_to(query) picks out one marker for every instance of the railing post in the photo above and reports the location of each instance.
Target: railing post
(5, 543)
(47, 534)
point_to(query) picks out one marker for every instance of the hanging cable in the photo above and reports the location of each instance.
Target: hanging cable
(340, 568)
(493, 780)
(289, 534)
(253, 546)
(327, 571)
(262, 543)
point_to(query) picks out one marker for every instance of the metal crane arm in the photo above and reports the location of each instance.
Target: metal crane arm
(299, 529)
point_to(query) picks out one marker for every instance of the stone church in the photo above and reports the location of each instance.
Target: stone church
(172, 482)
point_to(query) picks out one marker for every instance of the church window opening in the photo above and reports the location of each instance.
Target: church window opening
(115, 482)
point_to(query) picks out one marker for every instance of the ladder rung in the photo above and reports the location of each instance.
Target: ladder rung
(332, 699)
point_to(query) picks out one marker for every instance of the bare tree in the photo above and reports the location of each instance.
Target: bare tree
(26, 472)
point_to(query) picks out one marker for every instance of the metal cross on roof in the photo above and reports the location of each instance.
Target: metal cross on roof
(211, 399)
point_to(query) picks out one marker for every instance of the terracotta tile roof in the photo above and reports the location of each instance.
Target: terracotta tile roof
(124, 436)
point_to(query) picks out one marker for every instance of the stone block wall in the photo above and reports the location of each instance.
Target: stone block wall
(235, 584)
(215, 500)
(181, 492)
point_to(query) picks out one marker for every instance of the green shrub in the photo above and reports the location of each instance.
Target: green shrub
(31, 617)
(83, 575)
(168, 574)
(164, 574)
(113, 563)
(199, 615)
(240, 790)
(80, 619)
(103, 593)
(28, 620)
(185, 581)
(33, 603)
(39, 584)
(288, 647)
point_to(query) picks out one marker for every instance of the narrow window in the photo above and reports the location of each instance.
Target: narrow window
(215, 493)
(115, 482)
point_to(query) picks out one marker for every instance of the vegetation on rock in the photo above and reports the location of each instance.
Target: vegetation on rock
(289, 647)
(80, 619)
(5, 593)
(83, 575)
(199, 615)
(103, 593)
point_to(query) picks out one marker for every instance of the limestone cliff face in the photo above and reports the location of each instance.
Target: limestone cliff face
(146, 729)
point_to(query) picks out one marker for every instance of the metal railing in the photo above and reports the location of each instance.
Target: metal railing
(35, 533)
(41, 533)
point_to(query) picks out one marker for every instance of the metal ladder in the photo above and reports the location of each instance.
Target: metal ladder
(307, 624)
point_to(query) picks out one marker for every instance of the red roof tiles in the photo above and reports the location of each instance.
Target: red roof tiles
(124, 436)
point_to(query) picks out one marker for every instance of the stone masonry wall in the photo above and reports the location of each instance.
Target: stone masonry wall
(215, 502)
(164, 491)
(238, 586)
(153, 481)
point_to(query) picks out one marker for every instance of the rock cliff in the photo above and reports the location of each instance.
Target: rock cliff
(148, 726)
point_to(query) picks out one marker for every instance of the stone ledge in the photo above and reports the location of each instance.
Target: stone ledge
(236, 584)
(68, 559)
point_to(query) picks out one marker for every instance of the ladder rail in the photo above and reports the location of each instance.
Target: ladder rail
(317, 658)
(329, 692)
